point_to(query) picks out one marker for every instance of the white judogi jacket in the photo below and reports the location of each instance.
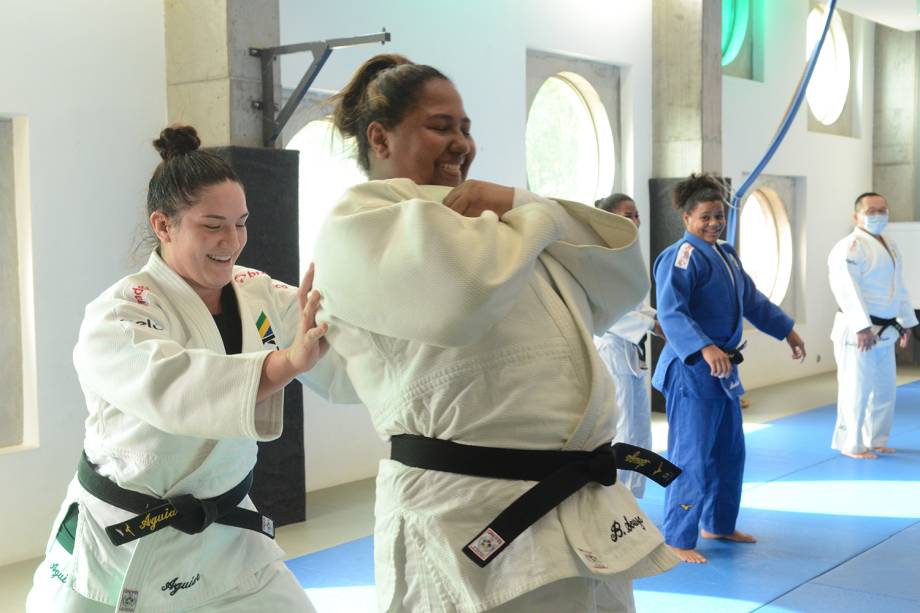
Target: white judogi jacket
(617, 346)
(479, 331)
(866, 280)
(170, 413)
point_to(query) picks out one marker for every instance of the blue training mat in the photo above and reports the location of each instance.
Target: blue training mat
(835, 534)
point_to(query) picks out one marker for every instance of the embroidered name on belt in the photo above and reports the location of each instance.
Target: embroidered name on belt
(598, 466)
(265, 331)
(144, 524)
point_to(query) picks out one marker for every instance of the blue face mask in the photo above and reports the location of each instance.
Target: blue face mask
(874, 224)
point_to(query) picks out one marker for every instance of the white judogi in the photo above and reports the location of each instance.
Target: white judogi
(619, 352)
(479, 331)
(866, 280)
(169, 414)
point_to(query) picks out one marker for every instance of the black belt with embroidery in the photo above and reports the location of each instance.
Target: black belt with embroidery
(559, 474)
(734, 355)
(887, 323)
(185, 513)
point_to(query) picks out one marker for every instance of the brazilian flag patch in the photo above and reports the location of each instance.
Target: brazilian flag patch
(265, 331)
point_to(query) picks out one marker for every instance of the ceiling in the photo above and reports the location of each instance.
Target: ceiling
(898, 14)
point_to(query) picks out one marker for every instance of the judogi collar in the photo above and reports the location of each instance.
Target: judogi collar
(720, 260)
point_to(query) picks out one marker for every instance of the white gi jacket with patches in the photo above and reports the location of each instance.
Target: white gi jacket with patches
(866, 280)
(479, 331)
(169, 414)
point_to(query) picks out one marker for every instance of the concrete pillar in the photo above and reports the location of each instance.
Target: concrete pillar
(686, 115)
(896, 122)
(687, 87)
(211, 80)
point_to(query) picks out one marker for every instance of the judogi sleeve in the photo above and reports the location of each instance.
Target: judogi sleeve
(906, 315)
(757, 308)
(328, 378)
(392, 262)
(633, 326)
(846, 265)
(601, 251)
(126, 355)
(677, 272)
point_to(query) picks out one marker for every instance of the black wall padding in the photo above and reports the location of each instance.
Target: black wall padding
(269, 177)
(666, 227)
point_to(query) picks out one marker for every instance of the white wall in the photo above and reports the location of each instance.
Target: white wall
(481, 45)
(836, 169)
(90, 76)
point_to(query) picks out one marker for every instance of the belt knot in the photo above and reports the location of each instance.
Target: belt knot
(602, 466)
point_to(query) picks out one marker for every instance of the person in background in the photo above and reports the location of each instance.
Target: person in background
(703, 297)
(622, 348)
(465, 313)
(182, 365)
(875, 312)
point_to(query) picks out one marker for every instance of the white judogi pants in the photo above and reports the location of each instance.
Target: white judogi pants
(865, 396)
(52, 591)
(634, 423)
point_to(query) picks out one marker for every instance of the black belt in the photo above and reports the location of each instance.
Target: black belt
(887, 323)
(734, 356)
(559, 473)
(185, 513)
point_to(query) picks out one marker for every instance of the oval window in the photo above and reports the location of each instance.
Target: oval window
(830, 81)
(734, 28)
(765, 243)
(569, 142)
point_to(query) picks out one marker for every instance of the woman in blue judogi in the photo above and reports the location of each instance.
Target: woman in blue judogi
(703, 295)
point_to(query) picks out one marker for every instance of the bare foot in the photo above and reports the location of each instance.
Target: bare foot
(690, 556)
(865, 455)
(884, 449)
(736, 536)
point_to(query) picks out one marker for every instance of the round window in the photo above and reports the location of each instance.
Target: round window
(830, 82)
(734, 28)
(328, 167)
(569, 143)
(765, 243)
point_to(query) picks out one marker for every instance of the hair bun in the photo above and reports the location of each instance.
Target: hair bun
(177, 140)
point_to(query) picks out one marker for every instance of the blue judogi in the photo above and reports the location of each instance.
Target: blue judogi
(701, 303)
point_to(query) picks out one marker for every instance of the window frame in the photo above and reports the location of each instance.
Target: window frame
(605, 81)
(24, 422)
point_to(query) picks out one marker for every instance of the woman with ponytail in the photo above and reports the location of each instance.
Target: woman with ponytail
(703, 297)
(465, 311)
(182, 365)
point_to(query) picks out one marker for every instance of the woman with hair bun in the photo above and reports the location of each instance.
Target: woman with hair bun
(182, 370)
(703, 296)
(465, 313)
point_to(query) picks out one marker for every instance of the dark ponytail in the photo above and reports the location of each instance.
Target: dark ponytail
(695, 189)
(383, 89)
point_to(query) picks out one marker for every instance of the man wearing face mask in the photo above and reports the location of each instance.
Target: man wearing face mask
(874, 313)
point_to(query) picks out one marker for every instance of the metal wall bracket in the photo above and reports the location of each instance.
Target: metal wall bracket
(321, 50)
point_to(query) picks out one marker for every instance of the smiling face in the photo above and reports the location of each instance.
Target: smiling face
(706, 220)
(431, 145)
(203, 242)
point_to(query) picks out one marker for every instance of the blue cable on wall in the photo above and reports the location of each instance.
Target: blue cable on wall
(735, 208)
